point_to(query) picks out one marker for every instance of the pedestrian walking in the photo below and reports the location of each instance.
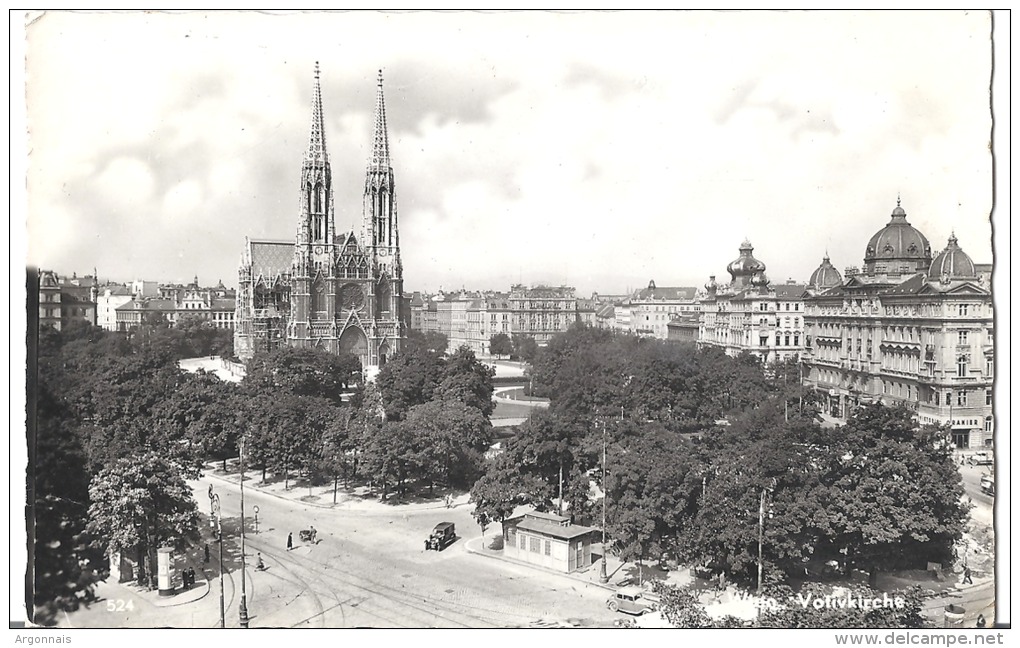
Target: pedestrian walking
(260, 566)
(967, 580)
(311, 534)
(290, 541)
(981, 623)
(206, 558)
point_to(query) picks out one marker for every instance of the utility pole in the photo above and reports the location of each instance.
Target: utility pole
(243, 610)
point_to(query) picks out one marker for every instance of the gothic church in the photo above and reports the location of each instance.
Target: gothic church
(331, 290)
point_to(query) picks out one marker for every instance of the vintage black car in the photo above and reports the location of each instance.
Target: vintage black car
(442, 536)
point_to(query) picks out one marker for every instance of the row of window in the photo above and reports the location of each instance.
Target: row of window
(531, 543)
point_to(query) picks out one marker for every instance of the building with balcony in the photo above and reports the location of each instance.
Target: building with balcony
(907, 328)
(750, 314)
(652, 309)
(62, 300)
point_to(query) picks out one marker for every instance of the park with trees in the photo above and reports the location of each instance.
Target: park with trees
(697, 446)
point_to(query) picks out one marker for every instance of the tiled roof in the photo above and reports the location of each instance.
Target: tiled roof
(908, 287)
(223, 304)
(789, 291)
(271, 258)
(681, 292)
(149, 304)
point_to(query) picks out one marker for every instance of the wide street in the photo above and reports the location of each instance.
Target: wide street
(368, 569)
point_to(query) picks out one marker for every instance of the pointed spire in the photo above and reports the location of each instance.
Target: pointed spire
(381, 139)
(317, 137)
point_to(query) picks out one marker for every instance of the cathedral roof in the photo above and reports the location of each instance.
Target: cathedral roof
(270, 258)
(952, 262)
(825, 276)
(897, 241)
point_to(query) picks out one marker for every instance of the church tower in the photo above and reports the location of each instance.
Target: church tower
(381, 239)
(336, 291)
(313, 283)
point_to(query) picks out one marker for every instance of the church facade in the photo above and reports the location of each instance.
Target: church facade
(337, 291)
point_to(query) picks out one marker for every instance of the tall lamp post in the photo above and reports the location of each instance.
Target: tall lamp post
(214, 502)
(603, 578)
(243, 611)
(765, 492)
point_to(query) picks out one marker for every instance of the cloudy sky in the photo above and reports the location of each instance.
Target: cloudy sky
(598, 150)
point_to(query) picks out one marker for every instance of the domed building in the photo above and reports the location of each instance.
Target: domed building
(897, 249)
(824, 277)
(906, 328)
(952, 263)
(744, 267)
(751, 313)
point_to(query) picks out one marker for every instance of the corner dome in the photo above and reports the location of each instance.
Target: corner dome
(952, 262)
(825, 276)
(744, 266)
(897, 248)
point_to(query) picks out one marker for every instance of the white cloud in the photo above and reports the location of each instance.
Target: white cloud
(609, 146)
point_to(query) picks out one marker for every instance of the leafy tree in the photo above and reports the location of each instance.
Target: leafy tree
(651, 501)
(679, 607)
(410, 378)
(500, 345)
(525, 347)
(495, 497)
(205, 412)
(66, 563)
(467, 380)
(431, 341)
(340, 444)
(388, 458)
(139, 504)
(449, 438)
(302, 372)
(894, 494)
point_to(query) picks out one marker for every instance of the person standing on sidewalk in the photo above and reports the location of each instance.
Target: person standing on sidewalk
(967, 580)
(290, 541)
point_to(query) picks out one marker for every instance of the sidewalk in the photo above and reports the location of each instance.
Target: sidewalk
(322, 496)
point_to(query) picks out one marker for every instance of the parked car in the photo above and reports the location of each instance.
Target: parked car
(442, 536)
(982, 459)
(988, 485)
(632, 600)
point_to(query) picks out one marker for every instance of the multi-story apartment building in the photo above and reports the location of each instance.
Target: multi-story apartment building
(542, 311)
(652, 309)
(749, 314)
(64, 300)
(907, 328)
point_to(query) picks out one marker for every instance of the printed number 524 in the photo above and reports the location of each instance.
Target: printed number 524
(119, 605)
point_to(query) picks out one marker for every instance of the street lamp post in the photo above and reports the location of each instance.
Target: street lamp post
(215, 497)
(243, 611)
(603, 578)
(761, 530)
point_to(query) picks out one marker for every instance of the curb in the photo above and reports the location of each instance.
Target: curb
(511, 561)
(328, 507)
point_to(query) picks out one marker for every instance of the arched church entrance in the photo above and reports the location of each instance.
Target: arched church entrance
(353, 341)
(384, 353)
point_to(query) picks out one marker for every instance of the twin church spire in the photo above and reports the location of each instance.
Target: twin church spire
(379, 226)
